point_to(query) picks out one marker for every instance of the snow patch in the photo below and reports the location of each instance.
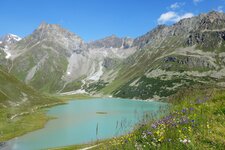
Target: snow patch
(15, 37)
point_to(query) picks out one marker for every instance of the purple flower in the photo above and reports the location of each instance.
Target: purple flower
(149, 133)
(184, 129)
(154, 126)
(191, 109)
(184, 110)
(184, 120)
(199, 101)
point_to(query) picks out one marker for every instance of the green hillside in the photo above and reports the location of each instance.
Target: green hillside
(19, 107)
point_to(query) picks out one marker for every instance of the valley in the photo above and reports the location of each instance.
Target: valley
(53, 66)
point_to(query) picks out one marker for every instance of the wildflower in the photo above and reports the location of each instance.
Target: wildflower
(189, 129)
(184, 120)
(184, 110)
(157, 132)
(149, 133)
(153, 144)
(198, 101)
(191, 109)
(154, 126)
(185, 141)
(144, 136)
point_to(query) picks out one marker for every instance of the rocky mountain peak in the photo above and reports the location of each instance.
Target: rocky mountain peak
(9, 39)
(56, 37)
(111, 42)
(50, 27)
(212, 21)
(54, 30)
(159, 32)
(213, 15)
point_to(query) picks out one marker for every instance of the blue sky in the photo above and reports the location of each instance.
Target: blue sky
(96, 19)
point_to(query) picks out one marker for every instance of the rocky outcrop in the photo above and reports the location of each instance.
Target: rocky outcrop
(190, 45)
(111, 42)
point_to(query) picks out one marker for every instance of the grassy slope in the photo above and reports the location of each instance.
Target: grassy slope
(48, 74)
(73, 96)
(16, 98)
(197, 115)
(136, 65)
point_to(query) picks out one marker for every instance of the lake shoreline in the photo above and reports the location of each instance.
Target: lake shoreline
(35, 126)
(42, 108)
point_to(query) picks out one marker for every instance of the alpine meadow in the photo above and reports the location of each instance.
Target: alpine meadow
(64, 88)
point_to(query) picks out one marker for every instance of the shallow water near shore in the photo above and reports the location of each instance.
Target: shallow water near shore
(84, 121)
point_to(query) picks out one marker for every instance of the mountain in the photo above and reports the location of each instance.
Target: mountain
(5, 42)
(53, 59)
(17, 96)
(171, 57)
(9, 39)
(112, 42)
(157, 64)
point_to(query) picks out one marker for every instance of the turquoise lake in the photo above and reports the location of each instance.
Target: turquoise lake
(84, 121)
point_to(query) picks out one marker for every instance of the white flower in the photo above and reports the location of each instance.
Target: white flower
(185, 141)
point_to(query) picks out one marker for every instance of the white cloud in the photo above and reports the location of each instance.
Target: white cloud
(186, 15)
(219, 9)
(172, 16)
(197, 1)
(167, 17)
(176, 5)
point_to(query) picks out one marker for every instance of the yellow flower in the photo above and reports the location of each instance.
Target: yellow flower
(160, 139)
(157, 132)
(189, 129)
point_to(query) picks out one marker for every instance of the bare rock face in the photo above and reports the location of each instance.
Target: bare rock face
(52, 36)
(53, 59)
(111, 42)
(57, 34)
(191, 31)
(50, 49)
(188, 52)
